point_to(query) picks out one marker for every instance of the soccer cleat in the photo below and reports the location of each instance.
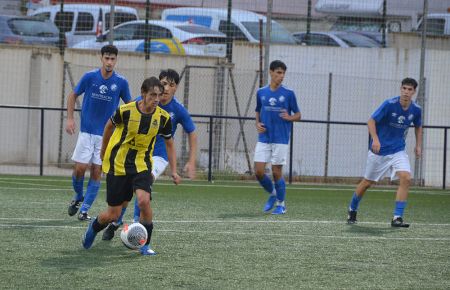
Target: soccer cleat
(88, 237)
(83, 216)
(146, 251)
(351, 219)
(74, 206)
(108, 234)
(270, 203)
(279, 210)
(398, 223)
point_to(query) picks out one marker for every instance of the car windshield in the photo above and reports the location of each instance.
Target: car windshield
(344, 25)
(198, 29)
(356, 40)
(31, 27)
(279, 34)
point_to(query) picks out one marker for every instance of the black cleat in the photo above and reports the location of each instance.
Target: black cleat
(83, 216)
(351, 219)
(74, 206)
(108, 234)
(398, 223)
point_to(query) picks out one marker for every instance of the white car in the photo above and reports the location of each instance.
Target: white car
(166, 37)
(335, 38)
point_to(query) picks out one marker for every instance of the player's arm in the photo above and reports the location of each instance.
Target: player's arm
(190, 167)
(259, 126)
(70, 123)
(291, 118)
(418, 149)
(107, 133)
(172, 156)
(371, 124)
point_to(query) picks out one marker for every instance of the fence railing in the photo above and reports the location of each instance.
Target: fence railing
(210, 123)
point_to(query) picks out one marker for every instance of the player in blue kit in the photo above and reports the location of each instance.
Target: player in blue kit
(102, 88)
(169, 79)
(276, 109)
(388, 127)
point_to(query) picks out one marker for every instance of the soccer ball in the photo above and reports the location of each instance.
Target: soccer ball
(133, 236)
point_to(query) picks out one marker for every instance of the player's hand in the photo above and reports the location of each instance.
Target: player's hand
(176, 178)
(70, 126)
(418, 151)
(189, 170)
(376, 146)
(284, 115)
(260, 127)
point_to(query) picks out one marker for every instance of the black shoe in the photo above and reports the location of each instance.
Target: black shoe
(74, 206)
(398, 223)
(108, 234)
(351, 219)
(83, 216)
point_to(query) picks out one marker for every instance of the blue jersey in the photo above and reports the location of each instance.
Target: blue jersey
(179, 115)
(101, 99)
(270, 104)
(392, 123)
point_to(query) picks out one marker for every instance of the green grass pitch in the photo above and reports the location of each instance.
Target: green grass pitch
(215, 236)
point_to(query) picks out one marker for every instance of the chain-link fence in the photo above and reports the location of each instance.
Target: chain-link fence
(344, 58)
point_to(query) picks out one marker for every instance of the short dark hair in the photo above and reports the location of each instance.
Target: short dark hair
(170, 74)
(150, 83)
(410, 82)
(109, 49)
(277, 64)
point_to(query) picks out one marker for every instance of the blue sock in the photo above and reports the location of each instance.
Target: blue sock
(120, 220)
(91, 193)
(280, 187)
(78, 184)
(137, 211)
(399, 208)
(354, 203)
(266, 183)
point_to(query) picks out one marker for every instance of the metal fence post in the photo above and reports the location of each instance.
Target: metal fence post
(41, 150)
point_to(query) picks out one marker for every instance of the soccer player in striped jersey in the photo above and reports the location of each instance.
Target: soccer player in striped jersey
(388, 127)
(128, 143)
(102, 88)
(276, 109)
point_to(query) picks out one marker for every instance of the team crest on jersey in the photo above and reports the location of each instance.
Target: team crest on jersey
(410, 117)
(394, 115)
(281, 99)
(155, 123)
(113, 87)
(272, 101)
(401, 119)
(103, 89)
(172, 115)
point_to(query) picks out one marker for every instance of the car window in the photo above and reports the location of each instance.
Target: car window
(85, 22)
(43, 15)
(279, 34)
(124, 32)
(119, 18)
(322, 40)
(236, 32)
(356, 40)
(30, 27)
(198, 29)
(64, 21)
(434, 26)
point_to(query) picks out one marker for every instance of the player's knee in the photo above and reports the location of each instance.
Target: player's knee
(143, 203)
(405, 178)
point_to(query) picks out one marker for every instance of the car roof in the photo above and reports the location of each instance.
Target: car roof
(444, 15)
(85, 7)
(237, 14)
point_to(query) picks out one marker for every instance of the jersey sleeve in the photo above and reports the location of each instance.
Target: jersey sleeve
(165, 129)
(418, 119)
(82, 84)
(381, 112)
(293, 104)
(125, 93)
(116, 119)
(186, 121)
(258, 102)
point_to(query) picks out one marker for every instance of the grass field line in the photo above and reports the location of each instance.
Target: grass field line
(250, 234)
(240, 221)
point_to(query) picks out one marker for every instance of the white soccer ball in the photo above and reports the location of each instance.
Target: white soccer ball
(133, 236)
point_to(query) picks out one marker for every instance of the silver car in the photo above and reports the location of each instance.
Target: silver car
(27, 30)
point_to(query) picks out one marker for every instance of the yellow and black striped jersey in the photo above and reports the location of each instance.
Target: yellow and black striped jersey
(130, 148)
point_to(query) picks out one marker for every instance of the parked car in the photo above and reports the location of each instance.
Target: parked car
(84, 21)
(244, 24)
(27, 30)
(335, 38)
(437, 24)
(166, 37)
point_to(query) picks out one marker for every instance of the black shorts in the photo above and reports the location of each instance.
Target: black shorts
(121, 188)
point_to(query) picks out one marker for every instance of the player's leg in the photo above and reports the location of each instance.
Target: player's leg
(94, 180)
(110, 230)
(262, 156)
(142, 186)
(159, 166)
(81, 156)
(278, 159)
(402, 171)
